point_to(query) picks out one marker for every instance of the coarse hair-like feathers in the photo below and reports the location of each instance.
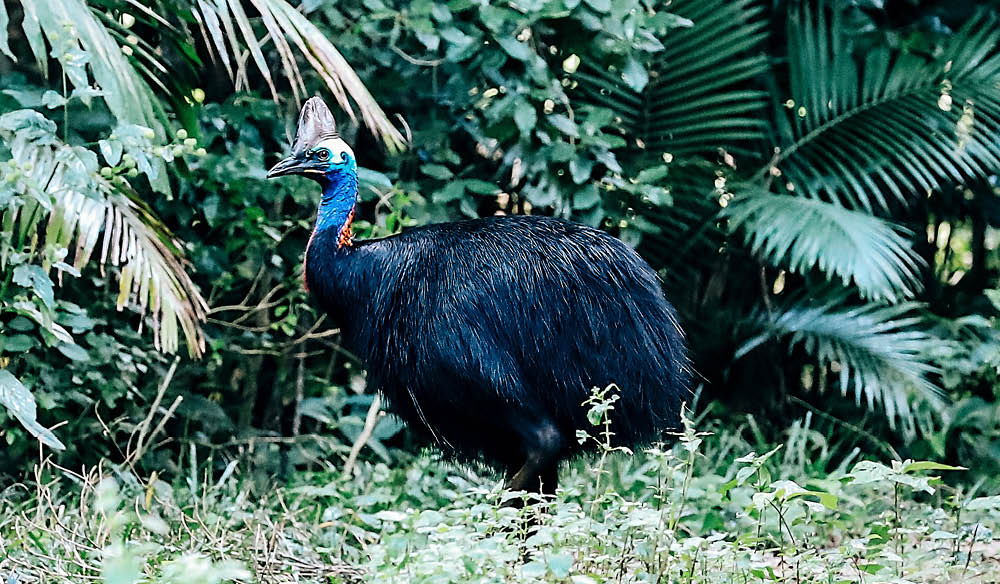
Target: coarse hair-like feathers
(477, 330)
(490, 334)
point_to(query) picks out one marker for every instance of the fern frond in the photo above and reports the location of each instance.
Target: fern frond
(63, 24)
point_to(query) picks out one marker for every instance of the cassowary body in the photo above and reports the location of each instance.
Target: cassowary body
(490, 334)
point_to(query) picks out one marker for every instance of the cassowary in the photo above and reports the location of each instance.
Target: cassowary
(488, 335)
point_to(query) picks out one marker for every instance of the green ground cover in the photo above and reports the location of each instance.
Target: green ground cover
(708, 509)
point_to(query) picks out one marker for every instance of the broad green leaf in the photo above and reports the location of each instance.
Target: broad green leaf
(480, 187)
(580, 169)
(111, 150)
(73, 351)
(515, 48)
(525, 116)
(37, 280)
(21, 404)
(17, 344)
(437, 171)
(560, 564)
(52, 99)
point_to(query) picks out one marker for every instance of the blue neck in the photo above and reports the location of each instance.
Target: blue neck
(340, 192)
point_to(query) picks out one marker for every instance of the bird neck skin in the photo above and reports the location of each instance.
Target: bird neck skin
(336, 207)
(333, 221)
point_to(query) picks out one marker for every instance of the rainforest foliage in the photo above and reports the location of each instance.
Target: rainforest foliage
(815, 180)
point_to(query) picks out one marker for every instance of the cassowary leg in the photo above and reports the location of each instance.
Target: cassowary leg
(541, 444)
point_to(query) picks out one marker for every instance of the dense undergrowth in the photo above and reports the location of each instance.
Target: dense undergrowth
(707, 509)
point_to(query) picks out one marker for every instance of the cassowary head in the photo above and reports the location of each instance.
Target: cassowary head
(318, 152)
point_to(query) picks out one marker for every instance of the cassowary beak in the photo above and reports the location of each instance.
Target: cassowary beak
(290, 165)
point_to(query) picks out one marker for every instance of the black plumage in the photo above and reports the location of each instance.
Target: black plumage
(489, 334)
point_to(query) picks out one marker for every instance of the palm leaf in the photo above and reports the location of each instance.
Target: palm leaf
(697, 98)
(79, 210)
(288, 28)
(882, 353)
(228, 29)
(126, 93)
(857, 133)
(803, 233)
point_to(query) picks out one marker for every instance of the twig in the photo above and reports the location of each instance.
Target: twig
(371, 419)
(972, 544)
(144, 425)
(299, 396)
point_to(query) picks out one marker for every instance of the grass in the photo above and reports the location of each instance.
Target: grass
(707, 509)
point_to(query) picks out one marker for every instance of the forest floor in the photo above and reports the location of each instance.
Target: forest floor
(708, 509)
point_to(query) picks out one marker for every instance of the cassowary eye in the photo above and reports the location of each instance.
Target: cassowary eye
(323, 154)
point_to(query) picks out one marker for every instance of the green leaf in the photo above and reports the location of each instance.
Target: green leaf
(602, 6)
(864, 131)
(515, 48)
(927, 465)
(73, 351)
(699, 98)
(635, 75)
(36, 279)
(52, 99)
(805, 234)
(21, 404)
(88, 216)
(17, 344)
(565, 125)
(883, 353)
(525, 116)
(374, 178)
(111, 150)
(560, 564)
(586, 197)
(437, 171)
(653, 174)
(481, 187)
(20, 323)
(580, 169)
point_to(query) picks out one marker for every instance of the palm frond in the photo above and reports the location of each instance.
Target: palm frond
(126, 93)
(78, 209)
(227, 27)
(880, 353)
(697, 98)
(289, 29)
(895, 124)
(801, 233)
(68, 24)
